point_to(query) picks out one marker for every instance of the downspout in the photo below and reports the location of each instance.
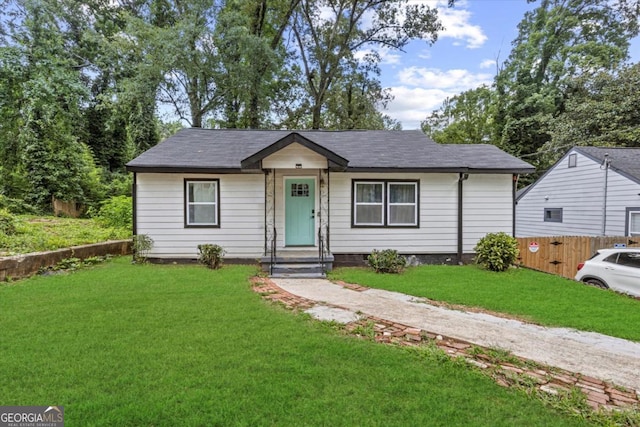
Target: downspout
(275, 230)
(134, 202)
(266, 236)
(605, 164)
(328, 209)
(514, 190)
(463, 177)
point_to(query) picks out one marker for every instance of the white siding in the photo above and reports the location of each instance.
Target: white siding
(487, 207)
(579, 191)
(160, 214)
(292, 155)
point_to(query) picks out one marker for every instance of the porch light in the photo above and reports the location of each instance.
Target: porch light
(298, 165)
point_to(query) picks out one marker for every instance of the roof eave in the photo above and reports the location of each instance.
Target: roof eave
(443, 170)
(187, 169)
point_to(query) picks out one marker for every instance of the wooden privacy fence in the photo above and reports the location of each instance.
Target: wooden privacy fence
(561, 254)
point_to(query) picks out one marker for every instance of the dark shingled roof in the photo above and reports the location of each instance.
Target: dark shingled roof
(624, 160)
(193, 150)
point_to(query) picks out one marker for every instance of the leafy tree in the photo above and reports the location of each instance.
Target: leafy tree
(43, 113)
(173, 43)
(330, 33)
(600, 111)
(466, 118)
(257, 76)
(558, 41)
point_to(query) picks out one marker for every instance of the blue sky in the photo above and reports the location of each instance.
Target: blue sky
(478, 32)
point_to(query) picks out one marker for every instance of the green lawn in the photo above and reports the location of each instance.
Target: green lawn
(530, 295)
(121, 344)
(37, 233)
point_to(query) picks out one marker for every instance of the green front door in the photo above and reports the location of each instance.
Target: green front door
(299, 211)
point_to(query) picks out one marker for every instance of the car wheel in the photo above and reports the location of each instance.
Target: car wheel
(597, 283)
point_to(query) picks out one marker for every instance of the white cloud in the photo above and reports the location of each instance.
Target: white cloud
(412, 105)
(456, 21)
(488, 63)
(457, 79)
(423, 90)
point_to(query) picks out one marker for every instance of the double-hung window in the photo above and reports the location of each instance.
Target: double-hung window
(202, 207)
(385, 203)
(368, 205)
(633, 222)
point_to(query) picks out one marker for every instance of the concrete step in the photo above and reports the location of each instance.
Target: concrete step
(297, 268)
(299, 275)
(296, 264)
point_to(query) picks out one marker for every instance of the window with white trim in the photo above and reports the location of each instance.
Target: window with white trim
(368, 203)
(634, 223)
(202, 203)
(552, 214)
(385, 203)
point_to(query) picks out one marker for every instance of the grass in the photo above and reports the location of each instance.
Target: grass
(121, 344)
(37, 233)
(530, 295)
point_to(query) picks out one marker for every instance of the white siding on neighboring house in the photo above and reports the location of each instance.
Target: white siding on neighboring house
(623, 193)
(579, 192)
(160, 214)
(487, 207)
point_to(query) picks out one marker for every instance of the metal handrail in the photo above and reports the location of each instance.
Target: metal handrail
(273, 251)
(321, 250)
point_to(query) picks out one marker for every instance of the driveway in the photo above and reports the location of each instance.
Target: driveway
(607, 358)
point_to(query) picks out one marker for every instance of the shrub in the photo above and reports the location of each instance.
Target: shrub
(141, 245)
(7, 223)
(497, 251)
(211, 255)
(16, 206)
(387, 261)
(115, 212)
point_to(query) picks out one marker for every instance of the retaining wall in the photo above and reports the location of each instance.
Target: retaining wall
(20, 266)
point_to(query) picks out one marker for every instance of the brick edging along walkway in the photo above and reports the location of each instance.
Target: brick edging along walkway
(518, 372)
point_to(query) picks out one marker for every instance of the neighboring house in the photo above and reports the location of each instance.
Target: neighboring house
(321, 194)
(591, 191)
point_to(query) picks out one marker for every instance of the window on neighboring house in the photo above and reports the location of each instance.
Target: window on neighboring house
(202, 203)
(553, 214)
(385, 204)
(573, 160)
(633, 222)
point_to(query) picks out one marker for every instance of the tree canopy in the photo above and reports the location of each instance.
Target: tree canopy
(85, 84)
(563, 84)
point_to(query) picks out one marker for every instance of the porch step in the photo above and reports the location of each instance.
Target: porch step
(297, 265)
(297, 270)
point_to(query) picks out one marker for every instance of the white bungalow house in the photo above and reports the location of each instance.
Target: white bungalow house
(321, 196)
(591, 191)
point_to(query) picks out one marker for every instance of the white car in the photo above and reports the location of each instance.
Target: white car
(618, 269)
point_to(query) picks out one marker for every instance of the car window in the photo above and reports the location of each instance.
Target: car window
(630, 259)
(613, 258)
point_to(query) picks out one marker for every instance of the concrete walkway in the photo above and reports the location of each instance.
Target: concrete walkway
(600, 356)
